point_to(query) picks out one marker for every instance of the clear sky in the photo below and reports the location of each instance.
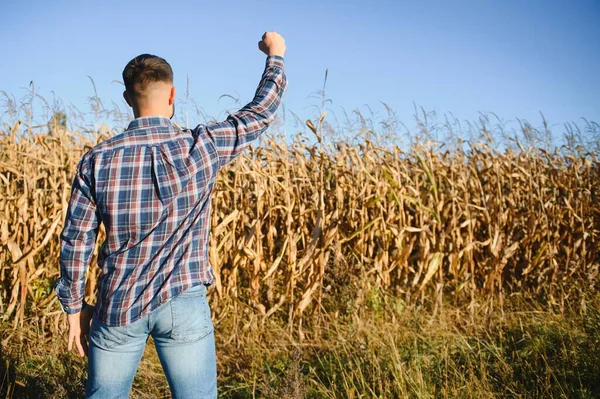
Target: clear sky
(514, 58)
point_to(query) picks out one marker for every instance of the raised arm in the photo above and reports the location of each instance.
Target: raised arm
(239, 129)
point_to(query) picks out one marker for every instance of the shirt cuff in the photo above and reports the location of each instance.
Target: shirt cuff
(73, 308)
(275, 61)
(69, 302)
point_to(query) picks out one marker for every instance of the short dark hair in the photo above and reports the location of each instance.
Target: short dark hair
(145, 69)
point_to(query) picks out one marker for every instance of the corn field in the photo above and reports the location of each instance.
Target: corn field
(301, 229)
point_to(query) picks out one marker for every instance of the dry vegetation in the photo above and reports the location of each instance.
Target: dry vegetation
(309, 236)
(295, 224)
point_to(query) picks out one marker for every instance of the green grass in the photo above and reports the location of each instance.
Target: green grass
(520, 355)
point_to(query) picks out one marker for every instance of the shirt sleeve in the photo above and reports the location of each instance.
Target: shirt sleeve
(78, 239)
(234, 134)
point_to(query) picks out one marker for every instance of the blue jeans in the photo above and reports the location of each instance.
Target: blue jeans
(183, 335)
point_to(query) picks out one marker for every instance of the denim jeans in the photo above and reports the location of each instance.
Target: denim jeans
(183, 336)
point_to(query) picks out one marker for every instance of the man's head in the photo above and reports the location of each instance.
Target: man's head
(149, 86)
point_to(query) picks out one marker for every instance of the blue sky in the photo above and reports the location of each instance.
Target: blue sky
(513, 58)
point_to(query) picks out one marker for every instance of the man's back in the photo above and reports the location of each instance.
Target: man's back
(152, 189)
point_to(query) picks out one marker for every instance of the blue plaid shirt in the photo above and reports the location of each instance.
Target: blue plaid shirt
(151, 187)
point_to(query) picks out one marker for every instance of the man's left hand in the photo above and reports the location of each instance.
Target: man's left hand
(79, 329)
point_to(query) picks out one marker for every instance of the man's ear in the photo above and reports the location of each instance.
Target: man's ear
(172, 95)
(126, 97)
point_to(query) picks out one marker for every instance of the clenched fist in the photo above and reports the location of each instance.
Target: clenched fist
(272, 43)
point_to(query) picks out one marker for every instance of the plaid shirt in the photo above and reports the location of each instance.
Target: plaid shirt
(151, 187)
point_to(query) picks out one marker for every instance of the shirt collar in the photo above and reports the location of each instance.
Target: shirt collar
(149, 121)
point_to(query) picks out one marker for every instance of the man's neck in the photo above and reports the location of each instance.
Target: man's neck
(150, 113)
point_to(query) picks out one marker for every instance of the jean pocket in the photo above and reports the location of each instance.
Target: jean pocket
(107, 337)
(191, 315)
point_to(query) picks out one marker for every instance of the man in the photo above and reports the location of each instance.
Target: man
(151, 187)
